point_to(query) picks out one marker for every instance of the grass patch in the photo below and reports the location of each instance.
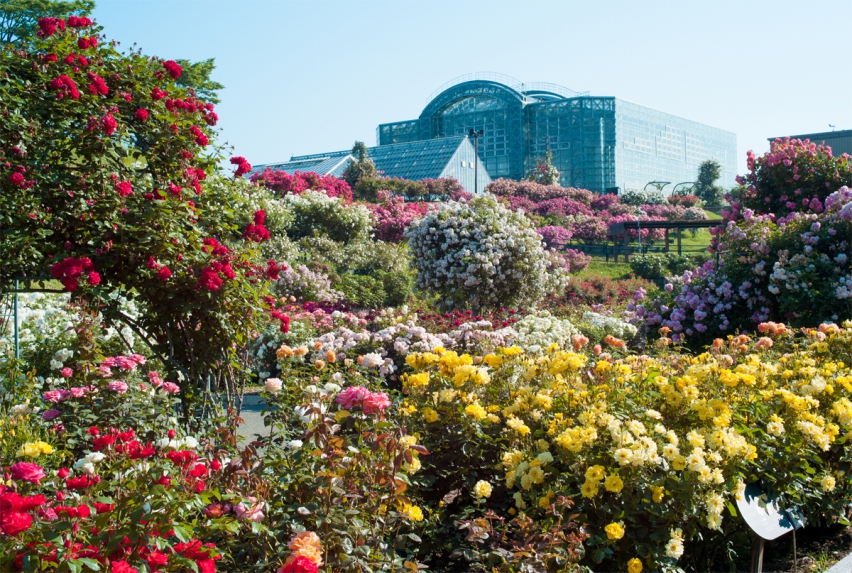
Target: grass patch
(600, 268)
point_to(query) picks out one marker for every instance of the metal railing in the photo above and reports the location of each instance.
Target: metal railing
(508, 81)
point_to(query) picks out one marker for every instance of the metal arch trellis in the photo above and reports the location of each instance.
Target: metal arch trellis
(10, 309)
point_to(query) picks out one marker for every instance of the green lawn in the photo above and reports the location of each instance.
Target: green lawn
(600, 268)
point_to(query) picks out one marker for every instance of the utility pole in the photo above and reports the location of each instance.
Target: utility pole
(476, 135)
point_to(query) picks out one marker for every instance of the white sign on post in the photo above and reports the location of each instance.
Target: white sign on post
(761, 513)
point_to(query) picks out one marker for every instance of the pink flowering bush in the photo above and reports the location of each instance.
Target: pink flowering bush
(562, 207)
(536, 191)
(685, 201)
(793, 176)
(575, 261)
(554, 237)
(393, 216)
(282, 183)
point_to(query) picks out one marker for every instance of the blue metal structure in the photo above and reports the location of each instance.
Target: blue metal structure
(598, 143)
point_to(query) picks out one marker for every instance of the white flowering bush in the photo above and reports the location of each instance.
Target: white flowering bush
(48, 325)
(483, 255)
(638, 197)
(315, 214)
(543, 329)
(307, 284)
(610, 325)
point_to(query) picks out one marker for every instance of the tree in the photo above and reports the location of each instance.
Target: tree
(18, 18)
(108, 184)
(363, 167)
(197, 77)
(705, 187)
(544, 171)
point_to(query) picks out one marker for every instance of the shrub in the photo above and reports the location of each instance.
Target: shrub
(563, 207)
(638, 197)
(369, 188)
(793, 176)
(604, 202)
(115, 192)
(536, 191)
(394, 216)
(480, 254)
(590, 230)
(795, 270)
(283, 184)
(575, 261)
(306, 284)
(661, 265)
(685, 201)
(653, 451)
(362, 290)
(316, 214)
(554, 237)
(398, 287)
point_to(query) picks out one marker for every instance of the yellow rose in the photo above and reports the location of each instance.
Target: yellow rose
(430, 415)
(482, 489)
(595, 473)
(657, 493)
(589, 489)
(614, 484)
(614, 531)
(634, 566)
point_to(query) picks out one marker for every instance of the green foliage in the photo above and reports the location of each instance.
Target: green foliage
(362, 290)
(362, 168)
(196, 75)
(705, 187)
(131, 193)
(19, 18)
(661, 265)
(398, 287)
(315, 214)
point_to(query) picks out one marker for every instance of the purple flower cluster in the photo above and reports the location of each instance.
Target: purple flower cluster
(554, 237)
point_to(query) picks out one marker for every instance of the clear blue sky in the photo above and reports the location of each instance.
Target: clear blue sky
(313, 76)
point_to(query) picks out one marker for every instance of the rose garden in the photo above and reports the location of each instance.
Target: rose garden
(447, 384)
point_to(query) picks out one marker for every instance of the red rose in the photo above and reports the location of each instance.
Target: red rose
(17, 179)
(50, 58)
(94, 278)
(14, 522)
(164, 273)
(300, 564)
(158, 94)
(124, 188)
(173, 68)
(63, 473)
(122, 567)
(103, 507)
(27, 471)
(156, 559)
(108, 124)
(142, 114)
(93, 431)
(49, 26)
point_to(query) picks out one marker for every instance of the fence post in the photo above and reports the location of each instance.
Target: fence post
(678, 243)
(15, 318)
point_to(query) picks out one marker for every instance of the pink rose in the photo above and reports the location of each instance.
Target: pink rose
(50, 414)
(125, 363)
(108, 362)
(55, 396)
(138, 359)
(28, 471)
(118, 386)
(67, 372)
(78, 391)
(171, 387)
(352, 396)
(155, 379)
(375, 402)
(104, 371)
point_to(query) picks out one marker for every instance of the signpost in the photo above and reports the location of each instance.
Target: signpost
(761, 514)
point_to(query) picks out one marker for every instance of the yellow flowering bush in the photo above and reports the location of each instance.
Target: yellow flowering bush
(654, 449)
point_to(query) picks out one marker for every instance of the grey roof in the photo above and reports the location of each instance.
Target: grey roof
(413, 160)
(328, 164)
